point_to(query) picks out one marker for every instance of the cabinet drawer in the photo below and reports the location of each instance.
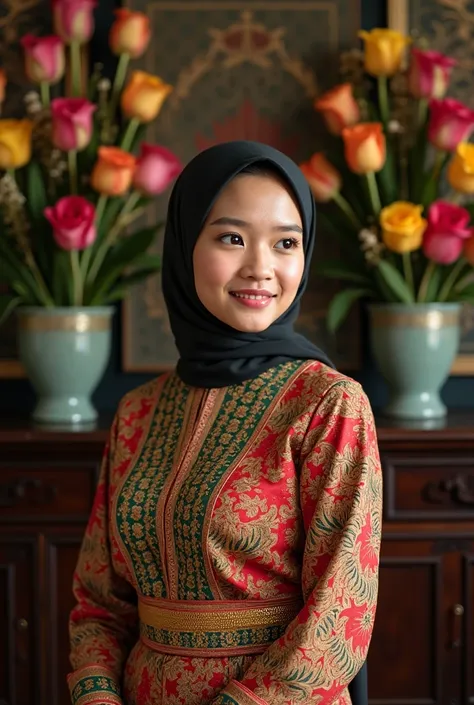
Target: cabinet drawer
(428, 488)
(50, 492)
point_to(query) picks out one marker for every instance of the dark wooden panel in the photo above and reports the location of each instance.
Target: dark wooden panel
(50, 492)
(405, 658)
(61, 553)
(468, 629)
(19, 675)
(427, 487)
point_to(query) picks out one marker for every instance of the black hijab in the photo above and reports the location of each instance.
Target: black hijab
(212, 354)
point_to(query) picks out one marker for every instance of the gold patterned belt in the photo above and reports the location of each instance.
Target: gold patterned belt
(214, 628)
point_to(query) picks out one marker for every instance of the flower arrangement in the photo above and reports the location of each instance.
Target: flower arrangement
(398, 181)
(71, 184)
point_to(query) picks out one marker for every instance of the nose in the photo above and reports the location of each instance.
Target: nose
(258, 264)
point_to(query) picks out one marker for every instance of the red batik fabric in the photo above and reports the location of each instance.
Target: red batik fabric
(264, 490)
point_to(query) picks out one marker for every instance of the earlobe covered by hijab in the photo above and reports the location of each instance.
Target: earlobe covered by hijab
(211, 353)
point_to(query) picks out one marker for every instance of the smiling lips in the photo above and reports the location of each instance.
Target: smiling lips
(253, 298)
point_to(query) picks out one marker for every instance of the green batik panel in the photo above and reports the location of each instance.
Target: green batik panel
(241, 412)
(93, 687)
(212, 640)
(136, 509)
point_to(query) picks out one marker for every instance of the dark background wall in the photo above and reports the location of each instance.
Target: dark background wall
(17, 396)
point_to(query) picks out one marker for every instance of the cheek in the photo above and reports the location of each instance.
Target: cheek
(212, 269)
(292, 273)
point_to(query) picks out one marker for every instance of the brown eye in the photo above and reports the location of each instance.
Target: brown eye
(288, 243)
(232, 239)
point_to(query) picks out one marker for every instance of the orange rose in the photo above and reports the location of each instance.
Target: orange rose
(469, 250)
(113, 171)
(3, 85)
(322, 177)
(144, 96)
(338, 108)
(364, 147)
(130, 33)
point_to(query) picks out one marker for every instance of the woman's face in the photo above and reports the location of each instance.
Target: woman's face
(248, 260)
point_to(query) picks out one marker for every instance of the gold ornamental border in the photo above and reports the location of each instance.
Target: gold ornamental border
(78, 323)
(432, 320)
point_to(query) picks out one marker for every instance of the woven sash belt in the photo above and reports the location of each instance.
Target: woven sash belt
(214, 628)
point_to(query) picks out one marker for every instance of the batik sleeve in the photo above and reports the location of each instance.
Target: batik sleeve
(325, 646)
(104, 622)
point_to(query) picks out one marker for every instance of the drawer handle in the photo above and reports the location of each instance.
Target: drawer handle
(456, 626)
(459, 489)
(34, 490)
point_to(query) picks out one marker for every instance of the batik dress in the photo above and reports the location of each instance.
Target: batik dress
(231, 555)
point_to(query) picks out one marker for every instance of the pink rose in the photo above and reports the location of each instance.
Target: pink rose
(44, 58)
(73, 224)
(72, 123)
(74, 19)
(156, 168)
(450, 122)
(447, 230)
(429, 73)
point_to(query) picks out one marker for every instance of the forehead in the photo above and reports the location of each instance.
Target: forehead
(257, 194)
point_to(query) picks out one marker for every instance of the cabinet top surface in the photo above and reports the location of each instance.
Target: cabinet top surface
(457, 427)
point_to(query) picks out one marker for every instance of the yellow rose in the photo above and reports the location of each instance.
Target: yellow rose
(402, 226)
(143, 96)
(461, 169)
(15, 143)
(383, 51)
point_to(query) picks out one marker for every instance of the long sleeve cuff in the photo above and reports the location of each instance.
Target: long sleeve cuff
(237, 694)
(94, 684)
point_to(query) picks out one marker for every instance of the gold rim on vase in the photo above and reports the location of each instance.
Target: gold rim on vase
(76, 322)
(430, 320)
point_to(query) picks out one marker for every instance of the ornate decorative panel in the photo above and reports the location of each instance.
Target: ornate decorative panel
(241, 70)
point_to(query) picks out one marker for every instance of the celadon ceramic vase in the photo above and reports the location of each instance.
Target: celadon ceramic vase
(64, 352)
(414, 347)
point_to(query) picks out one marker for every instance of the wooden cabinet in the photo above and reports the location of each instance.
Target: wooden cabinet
(422, 651)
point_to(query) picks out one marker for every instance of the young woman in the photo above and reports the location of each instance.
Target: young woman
(232, 552)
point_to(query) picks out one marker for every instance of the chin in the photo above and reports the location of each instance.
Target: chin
(250, 326)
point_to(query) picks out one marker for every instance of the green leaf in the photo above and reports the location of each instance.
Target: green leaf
(8, 303)
(37, 200)
(36, 197)
(124, 254)
(395, 282)
(340, 270)
(341, 305)
(434, 285)
(466, 294)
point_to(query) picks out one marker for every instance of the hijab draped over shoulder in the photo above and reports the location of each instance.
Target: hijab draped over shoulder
(211, 353)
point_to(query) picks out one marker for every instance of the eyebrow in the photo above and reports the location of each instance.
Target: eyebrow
(287, 228)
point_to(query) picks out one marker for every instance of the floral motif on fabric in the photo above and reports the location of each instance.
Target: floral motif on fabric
(269, 489)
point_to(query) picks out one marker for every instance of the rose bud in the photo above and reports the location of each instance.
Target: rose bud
(15, 143)
(383, 51)
(450, 123)
(72, 123)
(74, 20)
(323, 178)
(429, 73)
(113, 171)
(144, 96)
(130, 33)
(364, 147)
(72, 218)
(338, 108)
(447, 232)
(156, 169)
(461, 169)
(44, 58)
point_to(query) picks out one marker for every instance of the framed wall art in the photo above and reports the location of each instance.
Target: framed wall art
(449, 28)
(241, 70)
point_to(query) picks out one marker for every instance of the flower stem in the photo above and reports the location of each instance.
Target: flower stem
(451, 279)
(130, 132)
(76, 277)
(119, 80)
(383, 99)
(428, 273)
(128, 206)
(76, 69)
(374, 193)
(45, 94)
(86, 255)
(346, 208)
(72, 162)
(408, 271)
(422, 112)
